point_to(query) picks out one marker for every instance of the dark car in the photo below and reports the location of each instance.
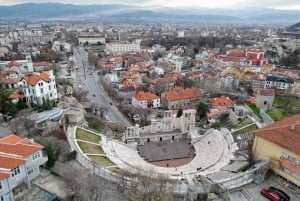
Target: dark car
(54, 197)
(284, 196)
(271, 195)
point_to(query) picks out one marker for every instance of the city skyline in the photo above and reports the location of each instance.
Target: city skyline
(227, 4)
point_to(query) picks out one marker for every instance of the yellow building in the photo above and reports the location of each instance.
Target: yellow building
(279, 144)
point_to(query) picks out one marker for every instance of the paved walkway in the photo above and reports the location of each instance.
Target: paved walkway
(212, 153)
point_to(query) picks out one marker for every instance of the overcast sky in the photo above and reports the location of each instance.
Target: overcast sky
(281, 4)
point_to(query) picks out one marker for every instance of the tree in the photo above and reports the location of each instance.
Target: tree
(86, 185)
(93, 59)
(149, 188)
(202, 110)
(53, 153)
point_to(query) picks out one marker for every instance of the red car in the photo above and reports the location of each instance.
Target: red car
(271, 195)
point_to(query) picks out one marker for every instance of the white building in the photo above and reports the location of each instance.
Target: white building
(90, 39)
(19, 164)
(39, 87)
(123, 47)
(21, 66)
(145, 100)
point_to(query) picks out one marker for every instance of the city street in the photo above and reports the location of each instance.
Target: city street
(86, 78)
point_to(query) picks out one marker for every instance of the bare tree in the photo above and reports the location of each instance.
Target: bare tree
(80, 95)
(149, 188)
(86, 185)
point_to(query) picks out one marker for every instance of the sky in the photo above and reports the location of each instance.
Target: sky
(235, 4)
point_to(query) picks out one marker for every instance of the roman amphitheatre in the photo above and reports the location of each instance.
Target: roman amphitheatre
(170, 147)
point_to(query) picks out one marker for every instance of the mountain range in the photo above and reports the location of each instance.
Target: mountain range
(134, 14)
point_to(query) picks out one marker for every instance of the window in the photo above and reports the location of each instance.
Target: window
(2, 198)
(35, 155)
(42, 90)
(15, 171)
(0, 185)
(49, 87)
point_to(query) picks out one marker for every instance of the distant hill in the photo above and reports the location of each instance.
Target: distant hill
(294, 27)
(135, 14)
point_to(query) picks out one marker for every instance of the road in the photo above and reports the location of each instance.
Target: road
(86, 78)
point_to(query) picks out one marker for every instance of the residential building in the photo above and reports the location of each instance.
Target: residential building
(145, 100)
(123, 47)
(20, 160)
(39, 87)
(181, 98)
(278, 82)
(221, 103)
(90, 39)
(278, 143)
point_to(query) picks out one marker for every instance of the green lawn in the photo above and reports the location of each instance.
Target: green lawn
(87, 136)
(254, 109)
(278, 114)
(243, 123)
(90, 148)
(246, 130)
(286, 102)
(102, 160)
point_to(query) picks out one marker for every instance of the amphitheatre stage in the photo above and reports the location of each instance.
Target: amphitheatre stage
(166, 150)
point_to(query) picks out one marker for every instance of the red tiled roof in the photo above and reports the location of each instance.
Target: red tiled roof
(4, 174)
(33, 79)
(13, 63)
(14, 151)
(221, 101)
(10, 162)
(179, 93)
(15, 96)
(144, 96)
(285, 133)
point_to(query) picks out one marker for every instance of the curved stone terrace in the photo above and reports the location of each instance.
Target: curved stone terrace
(212, 151)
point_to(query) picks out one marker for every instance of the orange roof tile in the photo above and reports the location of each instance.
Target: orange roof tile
(15, 96)
(221, 101)
(4, 174)
(11, 139)
(10, 162)
(140, 96)
(33, 79)
(285, 133)
(179, 93)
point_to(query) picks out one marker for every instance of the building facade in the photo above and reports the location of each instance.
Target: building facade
(181, 98)
(123, 47)
(145, 100)
(19, 164)
(39, 87)
(278, 143)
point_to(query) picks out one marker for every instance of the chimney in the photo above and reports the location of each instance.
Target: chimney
(31, 141)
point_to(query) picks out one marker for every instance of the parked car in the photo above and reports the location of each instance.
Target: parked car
(284, 196)
(271, 195)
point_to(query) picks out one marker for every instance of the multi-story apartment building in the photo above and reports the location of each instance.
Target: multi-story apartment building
(19, 164)
(278, 143)
(145, 100)
(39, 87)
(278, 82)
(123, 47)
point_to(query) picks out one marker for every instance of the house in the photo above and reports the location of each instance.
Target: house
(221, 103)
(278, 143)
(20, 160)
(278, 82)
(181, 98)
(145, 100)
(39, 87)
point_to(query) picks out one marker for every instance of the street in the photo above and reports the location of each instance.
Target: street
(86, 78)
